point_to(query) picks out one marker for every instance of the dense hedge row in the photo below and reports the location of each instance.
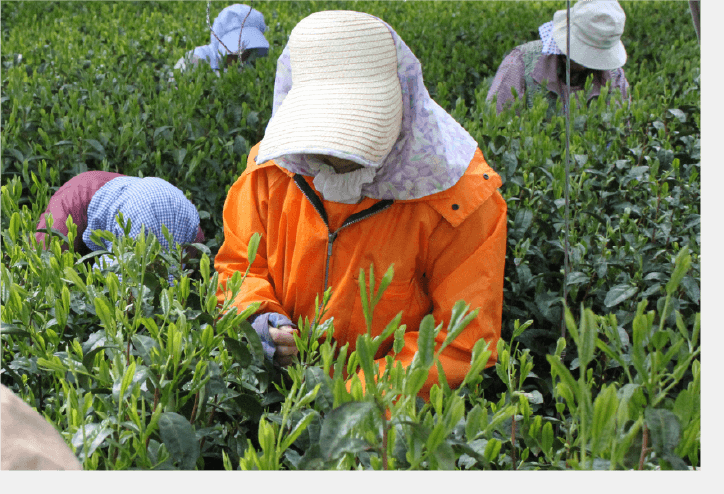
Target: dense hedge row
(80, 95)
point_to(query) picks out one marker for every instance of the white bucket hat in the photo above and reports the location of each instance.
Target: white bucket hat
(345, 99)
(596, 29)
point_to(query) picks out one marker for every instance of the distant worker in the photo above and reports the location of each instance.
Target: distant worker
(540, 66)
(94, 198)
(29, 442)
(226, 28)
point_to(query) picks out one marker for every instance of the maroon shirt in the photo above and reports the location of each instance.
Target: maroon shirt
(72, 199)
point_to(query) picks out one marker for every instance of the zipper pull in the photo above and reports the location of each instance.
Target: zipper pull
(330, 241)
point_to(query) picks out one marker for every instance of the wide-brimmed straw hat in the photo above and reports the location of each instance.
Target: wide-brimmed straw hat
(596, 29)
(345, 98)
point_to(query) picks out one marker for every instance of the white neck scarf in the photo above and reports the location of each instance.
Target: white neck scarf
(342, 187)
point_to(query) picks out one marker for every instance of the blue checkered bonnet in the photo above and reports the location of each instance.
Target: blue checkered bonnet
(150, 202)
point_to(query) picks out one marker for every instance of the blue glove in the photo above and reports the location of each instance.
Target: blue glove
(261, 324)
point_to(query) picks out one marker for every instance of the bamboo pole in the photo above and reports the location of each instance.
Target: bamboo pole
(694, 6)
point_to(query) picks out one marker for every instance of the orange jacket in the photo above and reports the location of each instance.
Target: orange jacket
(445, 247)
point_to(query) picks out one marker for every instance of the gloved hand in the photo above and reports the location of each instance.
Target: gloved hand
(277, 340)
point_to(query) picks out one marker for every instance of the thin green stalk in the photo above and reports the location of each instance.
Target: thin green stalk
(137, 312)
(385, 428)
(674, 381)
(614, 442)
(644, 447)
(512, 441)
(567, 101)
(664, 315)
(583, 412)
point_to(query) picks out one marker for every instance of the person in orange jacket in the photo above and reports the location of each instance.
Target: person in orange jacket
(359, 166)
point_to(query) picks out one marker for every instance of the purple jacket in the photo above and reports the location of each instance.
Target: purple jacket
(512, 74)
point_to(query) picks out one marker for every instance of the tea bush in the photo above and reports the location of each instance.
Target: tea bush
(137, 372)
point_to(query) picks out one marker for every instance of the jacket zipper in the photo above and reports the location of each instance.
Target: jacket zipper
(331, 236)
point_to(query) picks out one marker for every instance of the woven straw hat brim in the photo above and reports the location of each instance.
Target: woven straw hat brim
(359, 124)
(346, 97)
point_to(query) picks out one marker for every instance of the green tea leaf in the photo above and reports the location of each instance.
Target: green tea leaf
(339, 423)
(315, 376)
(425, 343)
(144, 346)
(179, 438)
(560, 370)
(664, 429)
(73, 277)
(384, 283)
(619, 293)
(415, 380)
(253, 338)
(492, 450)
(90, 356)
(249, 405)
(479, 360)
(588, 333)
(366, 360)
(604, 415)
(387, 332)
(300, 427)
(681, 266)
(473, 423)
(14, 329)
(547, 439)
(104, 311)
(95, 434)
(240, 352)
(253, 247)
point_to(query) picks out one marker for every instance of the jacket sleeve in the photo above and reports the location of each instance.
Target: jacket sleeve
(510, 75)
(200, 237)
(60, 216)
(624, 85)
(72, 199)
(465, 263)
(245, 213)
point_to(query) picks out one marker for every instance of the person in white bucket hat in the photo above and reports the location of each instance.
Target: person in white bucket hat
(540, 66)
(226, 27)
(359, 166)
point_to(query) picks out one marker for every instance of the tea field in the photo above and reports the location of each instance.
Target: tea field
(139, 374)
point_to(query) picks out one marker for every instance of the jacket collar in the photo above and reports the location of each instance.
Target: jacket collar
(455, 204)
(475, 187)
